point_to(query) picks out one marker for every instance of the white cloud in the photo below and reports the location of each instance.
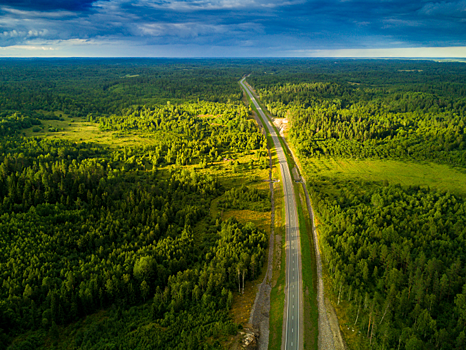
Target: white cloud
(109, 26)
(38, 14)
(195, 29)
(13, 33)
(396, 22)
(17, 48)
(182, 30)
(445, 9)
(34, 32)
(120, 48)
(22, 33)
(192, 5)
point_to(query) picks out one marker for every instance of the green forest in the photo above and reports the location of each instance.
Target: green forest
(115, 175)
(114, 246)
(396, 255)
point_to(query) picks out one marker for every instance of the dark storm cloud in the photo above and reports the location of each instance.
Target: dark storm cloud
(378, 23)
(276, 26)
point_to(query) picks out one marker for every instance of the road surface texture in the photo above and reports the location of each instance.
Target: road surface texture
(293, 313)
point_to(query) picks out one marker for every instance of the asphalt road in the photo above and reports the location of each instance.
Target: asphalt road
(292, 321)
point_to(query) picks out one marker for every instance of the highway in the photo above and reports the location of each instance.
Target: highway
(292, 321)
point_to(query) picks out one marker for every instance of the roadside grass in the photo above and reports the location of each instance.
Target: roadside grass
(277, 295)
(309, 273)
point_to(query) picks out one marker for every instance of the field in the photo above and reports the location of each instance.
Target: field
(79, 130)
(441, 177)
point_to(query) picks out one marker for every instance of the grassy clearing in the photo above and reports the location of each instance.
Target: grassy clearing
(260, 219)
(79, 130)
(309, 271)
(438, 176)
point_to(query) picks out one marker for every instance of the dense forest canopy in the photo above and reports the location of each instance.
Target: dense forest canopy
(396, 255)
(108, 244)
(105, 86)
(89, 226)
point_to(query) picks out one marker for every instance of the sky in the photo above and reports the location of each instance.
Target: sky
(232, 28)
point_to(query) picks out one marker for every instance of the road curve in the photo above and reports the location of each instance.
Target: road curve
(292, 321)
